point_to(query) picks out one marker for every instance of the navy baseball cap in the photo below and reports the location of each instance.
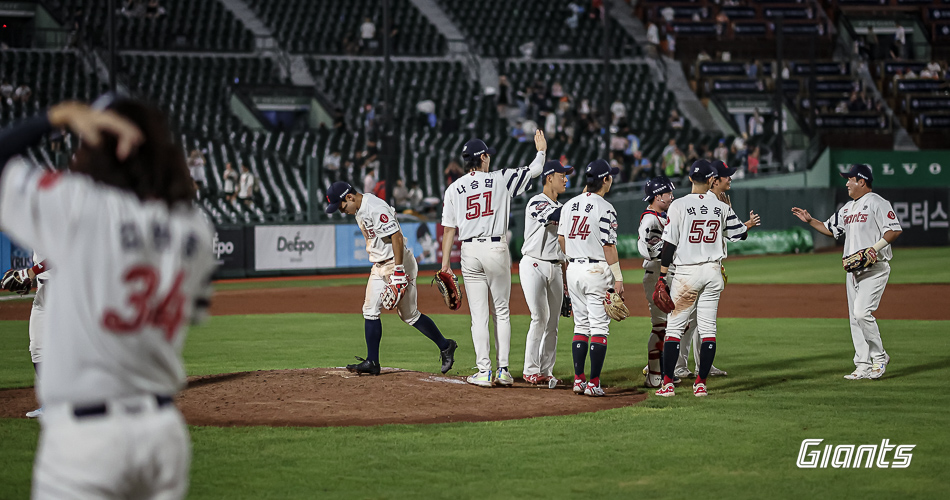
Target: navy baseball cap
(702, 170)
(475, 147)
(555, 167)
(599, 169)
(336, 194)
(861, 171)
(657, 186)
(723, 170)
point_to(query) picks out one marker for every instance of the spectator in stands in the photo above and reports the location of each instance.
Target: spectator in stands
(670, 44)
(691, 154)
(196, 165)
(642, 167)
(633, 144)
(756, 123)
(597, 9)
(739, 148)
(368, 37)
(703, 56)
(752, 70)
(725, 56)
(668, 14)
(721, 152)
(618, 112)
(369, 180)
(331, 167)
(676, 121)
(6, 91)
(785, 71)
(721, 21)
(900, 40)
(653, 38)
(154, 10)
(870, 43)
(246, 186)
(415, 196)
(505, 96)
(618, 144)
(453, 171)
(617, 162)
(754, 161)
(22, 93)
(673, 162)
(134, 8)
(574, 19)
(909, 74)
(231, 179)
(557, 90)
(401, 195)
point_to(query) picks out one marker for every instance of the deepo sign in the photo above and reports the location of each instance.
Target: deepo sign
(294, 247)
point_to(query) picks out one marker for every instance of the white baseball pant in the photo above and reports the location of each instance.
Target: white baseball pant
(486, 268)
(135, 450)
(38, 324)
(651, 275)
(696, 289)
(865, 289)
(587, 284)
(378, 279)
(543, 287)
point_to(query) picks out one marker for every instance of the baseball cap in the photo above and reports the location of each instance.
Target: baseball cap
(599, 169)
(475, 147)
(555, 167)
(336, 194)
(657, 186)
(702, 170)
(723, 170)
(861, 171)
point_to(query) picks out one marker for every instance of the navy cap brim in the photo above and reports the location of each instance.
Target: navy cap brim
(332, 207)
(614, 171)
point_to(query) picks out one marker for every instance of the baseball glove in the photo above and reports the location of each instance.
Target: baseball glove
(17, 280)
(725, 277)
(661, 297)
(449, 288)
(566, 309)
(859, 260)
(613, 304)
(398, 283)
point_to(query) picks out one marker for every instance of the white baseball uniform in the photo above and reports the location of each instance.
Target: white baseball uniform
(478, 204)
(650, 244)
(377, 221)
(129, 275)
(38, 314)
(588, 222)
(542, 283)
(863, 223)
(697, 225)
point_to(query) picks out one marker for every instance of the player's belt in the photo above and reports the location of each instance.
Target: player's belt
(102, 408)
(42, 281)
(586, 261)
(486, 239)
(544, 260)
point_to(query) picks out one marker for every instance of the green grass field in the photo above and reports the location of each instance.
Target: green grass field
(784, 386)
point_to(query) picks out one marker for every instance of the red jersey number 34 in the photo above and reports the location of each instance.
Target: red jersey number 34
(162, 312)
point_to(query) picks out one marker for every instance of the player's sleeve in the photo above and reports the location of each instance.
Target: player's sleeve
(886, 218)
(735, 229)
(835, 223)
(671, 232)
(608, 227)
(517, 180)
(41, 209)
(448, 209)
(544, 212)
(387, 227)
(650, 233)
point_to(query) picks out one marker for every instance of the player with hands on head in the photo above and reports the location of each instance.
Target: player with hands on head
(693, 242)
(476, 207)
(542, 271)
(869, 226)
(659, 193)
(587, 234)
(392, 280)
(134, 265)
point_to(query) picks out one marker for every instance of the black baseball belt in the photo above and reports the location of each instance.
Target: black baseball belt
(485, 239)
(101, 408)
(586, 261)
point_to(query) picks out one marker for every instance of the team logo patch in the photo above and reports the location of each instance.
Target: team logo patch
(383, 218)
(700, 197)
(49, 179)
(535, 264)
(890, 215)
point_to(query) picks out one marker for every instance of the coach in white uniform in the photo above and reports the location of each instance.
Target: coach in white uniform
(477, 207)
(393, 264)
(134, 264)
(542, 273)
(587, 234)
(866, 221)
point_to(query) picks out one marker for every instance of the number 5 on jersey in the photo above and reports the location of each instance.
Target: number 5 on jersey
(474, 209)
(696, 231)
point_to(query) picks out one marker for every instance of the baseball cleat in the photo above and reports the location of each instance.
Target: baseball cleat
(653, 381)
(504, 378)
(580, 384)
(364, 366)
(877, 369)
(533, 379)
(646, 370)
(858, 374)
(699, 390)
(448, 355)
(683, 373)
(666, 391)
(481, 379)
(716, 372)
(593, 390)
(552, 382)
(35, 413)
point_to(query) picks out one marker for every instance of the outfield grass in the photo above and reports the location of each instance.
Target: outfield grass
(785, 385)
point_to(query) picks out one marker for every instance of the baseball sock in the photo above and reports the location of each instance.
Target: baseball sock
(671, 352)
(425, 325)
(374, 334)
(655, 352)
(598, 351)
(579, 352)
(707, 352)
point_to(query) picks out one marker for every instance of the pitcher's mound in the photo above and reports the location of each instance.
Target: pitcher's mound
(323, 397)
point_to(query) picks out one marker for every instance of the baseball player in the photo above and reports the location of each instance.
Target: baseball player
(477, 206)
(587, 234)
(123, 230)
(393, 264)
(867, 222)
(721, 183)
(659, 193)
(693, 241)
(542, 273)
(39, 274)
